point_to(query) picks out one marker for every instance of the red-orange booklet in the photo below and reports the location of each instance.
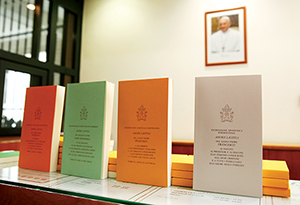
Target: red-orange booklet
(41, 128)
(144, 131)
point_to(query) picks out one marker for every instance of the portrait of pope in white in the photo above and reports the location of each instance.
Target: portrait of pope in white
(226, 39)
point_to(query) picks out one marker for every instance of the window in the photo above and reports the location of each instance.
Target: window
(16, 26)
(39, 46)
(15, 84)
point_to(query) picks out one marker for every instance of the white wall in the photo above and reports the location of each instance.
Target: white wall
(129, 39)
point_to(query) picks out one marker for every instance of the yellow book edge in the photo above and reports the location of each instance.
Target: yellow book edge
(271, 191)
(276, 183)
(182, 182)
(181, 174)
(275, 169)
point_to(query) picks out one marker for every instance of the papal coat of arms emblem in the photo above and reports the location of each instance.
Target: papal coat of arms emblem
(141, 113)
(226, 114)
(38, 114)
(83, 113)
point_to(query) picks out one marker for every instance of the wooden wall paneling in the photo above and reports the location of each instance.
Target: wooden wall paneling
(182, 147)
(265, 154)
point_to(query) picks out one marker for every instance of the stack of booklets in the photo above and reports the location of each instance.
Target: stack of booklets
(61, 140)
(275, 173)
(112, 164)
(182, 170)
(276, 178)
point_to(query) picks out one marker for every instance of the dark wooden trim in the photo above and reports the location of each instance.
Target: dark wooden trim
(183, 147)
(2, 80)
(287, 147)
(36, 35)
(35, 63)
(51, 40)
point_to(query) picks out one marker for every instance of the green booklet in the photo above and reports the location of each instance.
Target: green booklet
(87, 129)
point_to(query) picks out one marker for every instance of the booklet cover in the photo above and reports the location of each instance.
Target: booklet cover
(144, 131)
(41, 127)
(87, 129)
(228, 135)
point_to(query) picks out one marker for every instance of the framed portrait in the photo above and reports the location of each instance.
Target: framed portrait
(225, 37)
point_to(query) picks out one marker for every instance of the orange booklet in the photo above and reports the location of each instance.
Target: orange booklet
(144, 131)
(277, 169)
(41, 128)
(273, 191)
(276, 183)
